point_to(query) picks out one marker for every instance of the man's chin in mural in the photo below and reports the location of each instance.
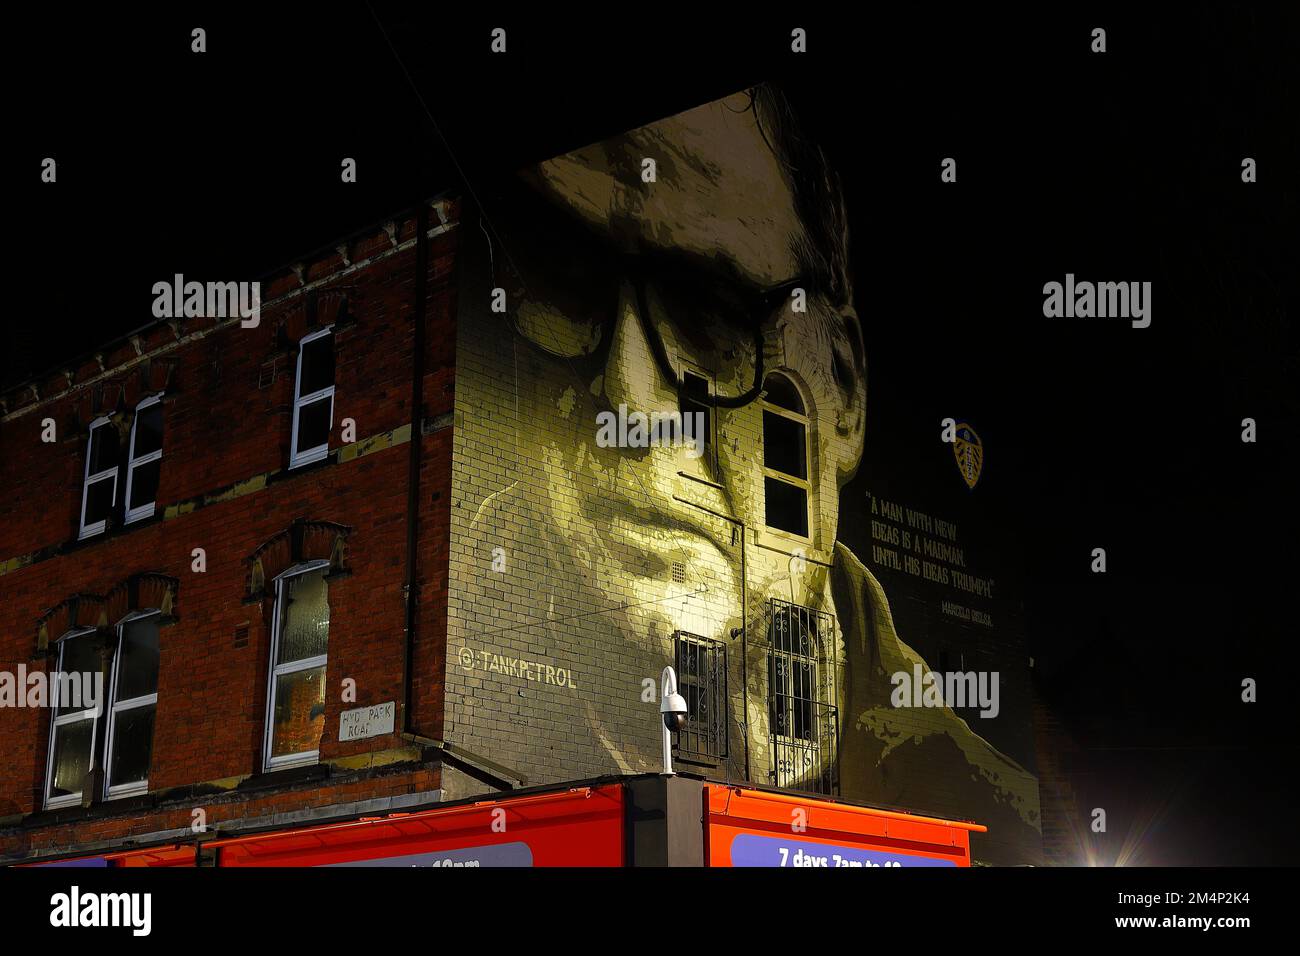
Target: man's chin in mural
(689, 374)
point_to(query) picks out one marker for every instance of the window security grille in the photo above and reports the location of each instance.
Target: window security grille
(804, 718)
(701, 665)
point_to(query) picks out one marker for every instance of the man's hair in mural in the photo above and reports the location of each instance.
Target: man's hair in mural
(819, 198)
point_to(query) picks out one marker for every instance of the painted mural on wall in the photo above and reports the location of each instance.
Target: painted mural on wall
(660, 406)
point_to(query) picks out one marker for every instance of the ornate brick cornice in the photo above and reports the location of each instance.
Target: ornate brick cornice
(147, 590)
(304, 540)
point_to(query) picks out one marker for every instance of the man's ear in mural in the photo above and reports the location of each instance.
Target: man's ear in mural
(822, 346)
(849, 372)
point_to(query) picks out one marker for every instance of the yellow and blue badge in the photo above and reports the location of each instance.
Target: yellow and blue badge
(969, 451)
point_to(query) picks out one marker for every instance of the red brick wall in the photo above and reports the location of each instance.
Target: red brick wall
(64, 839)
(227, 419)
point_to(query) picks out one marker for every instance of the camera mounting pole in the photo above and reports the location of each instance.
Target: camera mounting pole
(672, 708)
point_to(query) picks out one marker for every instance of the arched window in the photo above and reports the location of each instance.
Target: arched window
(102, 685)
(76, 707)
(805, 718)
(785, 457)
(295, 707)
(86, 710)
(133, 696)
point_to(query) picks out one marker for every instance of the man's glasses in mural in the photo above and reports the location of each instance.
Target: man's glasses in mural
(698, 331)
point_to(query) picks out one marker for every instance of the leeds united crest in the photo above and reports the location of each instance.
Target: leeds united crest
(969, 451)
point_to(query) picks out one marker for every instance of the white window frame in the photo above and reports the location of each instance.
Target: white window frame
(57, 721)
(115, 705)
(89, 479)
(297, 459)
(144, 511)
(305, 757)
(781, 476)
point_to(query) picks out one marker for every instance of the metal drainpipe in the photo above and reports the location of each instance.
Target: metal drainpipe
(416, 440)
(744, 641)
(744, 621)
(744, 635)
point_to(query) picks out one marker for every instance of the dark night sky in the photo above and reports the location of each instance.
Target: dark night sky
(1123, 166)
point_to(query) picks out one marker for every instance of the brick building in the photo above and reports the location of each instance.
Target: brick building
(175, 502)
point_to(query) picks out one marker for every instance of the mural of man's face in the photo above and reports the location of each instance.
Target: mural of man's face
(626, 288)
(695, 265)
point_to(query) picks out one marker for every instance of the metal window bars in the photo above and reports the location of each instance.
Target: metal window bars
(804, 739)
(701, 665)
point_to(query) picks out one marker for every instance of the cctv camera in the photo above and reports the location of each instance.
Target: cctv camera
(673, 708)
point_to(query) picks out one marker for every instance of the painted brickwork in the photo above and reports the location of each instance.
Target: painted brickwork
(574, 564)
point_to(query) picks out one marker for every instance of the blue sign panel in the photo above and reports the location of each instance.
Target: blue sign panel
(94, 861)
(749, 849)
(500, 854)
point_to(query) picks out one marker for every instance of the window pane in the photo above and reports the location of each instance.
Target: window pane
(694, 701)
(137, 666)
(132, 745)
(305, 617)
(704, 432)
(782, 393)
(783, 445)
(796, 630)
(779, 694)
(317, 365)
(786, 507)
(80, 657)
(148, 430)
(698, 400)
(801, 683)
(71, 757)
(99, 499)
(697, 387)
(299, 716)
(690, 660)
(314, 424)
(144, 484)
(103, 448)
(782, 637)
